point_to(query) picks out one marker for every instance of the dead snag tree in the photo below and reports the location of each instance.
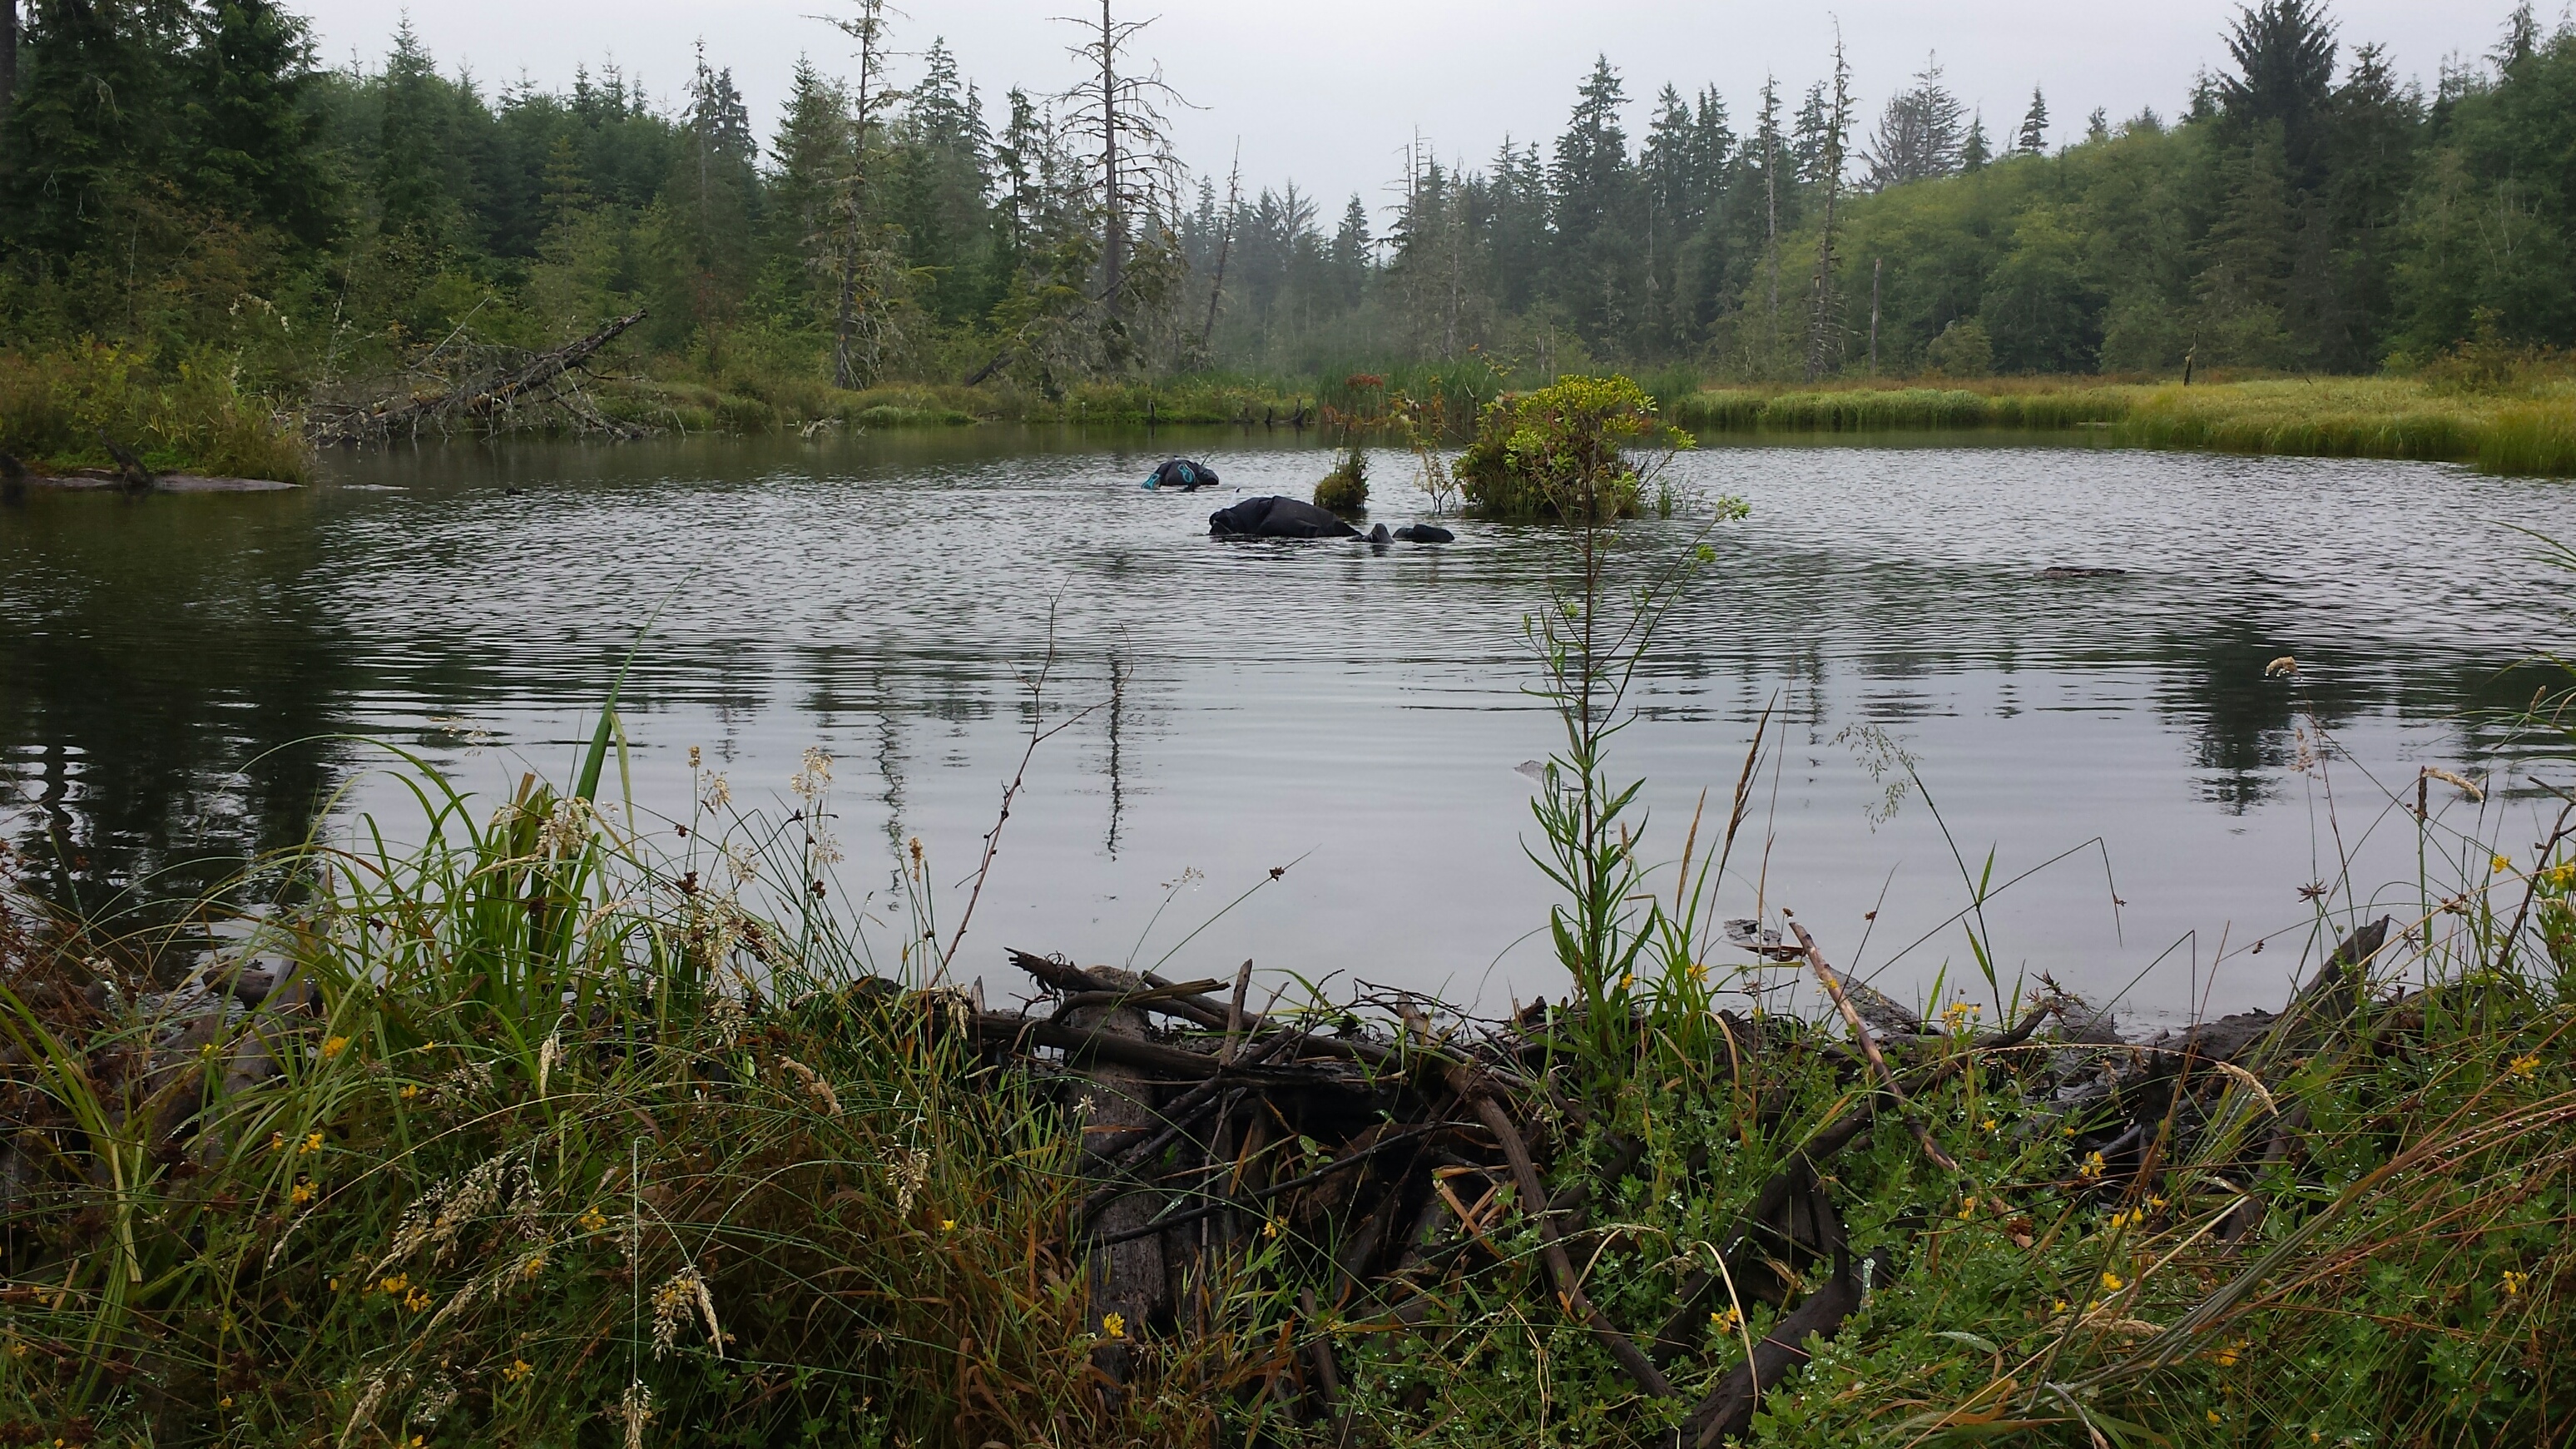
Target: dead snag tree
(1119, 111)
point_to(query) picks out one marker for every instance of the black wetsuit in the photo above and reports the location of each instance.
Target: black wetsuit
(1186, 474)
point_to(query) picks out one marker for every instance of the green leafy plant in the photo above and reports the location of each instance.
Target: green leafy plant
(1345, 490)
(1565, 451)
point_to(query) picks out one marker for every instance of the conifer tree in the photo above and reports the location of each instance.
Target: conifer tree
(253, 132)
(1824, 319)
(8, 72)
(2034, 126)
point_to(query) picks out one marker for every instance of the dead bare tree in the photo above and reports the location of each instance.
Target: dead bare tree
(1225, 241)
(1121, 112)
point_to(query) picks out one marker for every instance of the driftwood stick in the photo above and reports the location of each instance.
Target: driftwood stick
(1769, 1206)
(1234, 1015)
(1728, 1409)
(1192, 1007)
(1319, 1358)
(1332, 1169)
(1090, 1044)
(1569, 1288)
(1869, 1048)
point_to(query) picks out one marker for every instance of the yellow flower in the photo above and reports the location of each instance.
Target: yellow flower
(948, 1225)
(301, 1193)
(409, 1091)
(1967, 1209)
(2503, 863)
(2226, 1357)
(334, 1047)
(1627, 981)
(225, 1402)
(417, 1299)
(335, 1285)
(2523, 1066)
(2120, 1220)
(2093, 1167)
(277, 1142)
(396, 1283)
(312, 1143)
(2213, 1416)
(1728, 1320)
(1113, 1325)
(1987, 1125)
(519, 1369)
(2111, 1282)
(1270, 1228)
(2058, 1307)
(591, 1221)
(2513, 1283)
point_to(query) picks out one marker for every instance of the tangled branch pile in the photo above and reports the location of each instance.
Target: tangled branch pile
(462, 386)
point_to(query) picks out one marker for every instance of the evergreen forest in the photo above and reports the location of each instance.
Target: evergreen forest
(190, 191)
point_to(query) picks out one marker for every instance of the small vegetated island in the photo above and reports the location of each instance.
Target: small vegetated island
(553, 1126)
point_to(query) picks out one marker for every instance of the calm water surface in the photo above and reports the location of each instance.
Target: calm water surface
(175, 675)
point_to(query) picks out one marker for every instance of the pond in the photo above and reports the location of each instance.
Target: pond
(184, 679)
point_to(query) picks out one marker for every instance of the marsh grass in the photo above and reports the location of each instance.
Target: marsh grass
(2526, 429)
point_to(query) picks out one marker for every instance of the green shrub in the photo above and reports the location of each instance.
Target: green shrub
(1962, 350)
(736, 413)
(1345, 489)
(1560, 452)
(193, 418)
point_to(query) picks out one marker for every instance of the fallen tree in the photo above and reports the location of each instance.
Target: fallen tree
(480, 389)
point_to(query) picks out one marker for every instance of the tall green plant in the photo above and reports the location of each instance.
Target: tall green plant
(1590, 639)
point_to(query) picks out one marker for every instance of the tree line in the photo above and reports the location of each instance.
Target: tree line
(181, 177)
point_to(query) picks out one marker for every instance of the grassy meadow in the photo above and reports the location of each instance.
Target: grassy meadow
(2529, 431)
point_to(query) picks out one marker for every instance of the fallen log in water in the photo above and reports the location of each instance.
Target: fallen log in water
(484, 398)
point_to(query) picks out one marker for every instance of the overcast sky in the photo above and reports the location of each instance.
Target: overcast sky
(1329, 91)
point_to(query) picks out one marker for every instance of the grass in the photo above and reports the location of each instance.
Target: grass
(2528, 431)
